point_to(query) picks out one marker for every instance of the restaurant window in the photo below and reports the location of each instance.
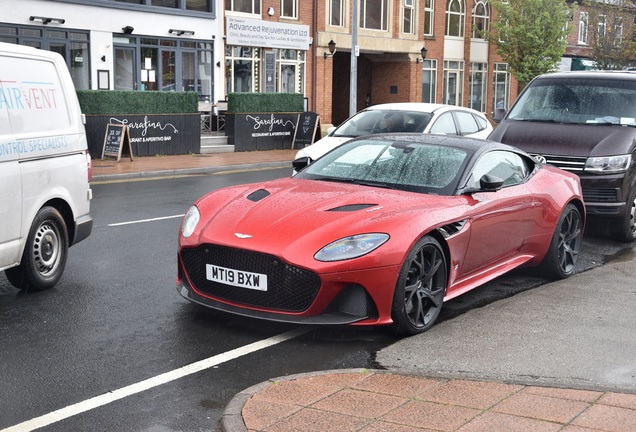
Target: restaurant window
(245, 6)
(289, 8)
(242, 66)
(455, 18)
(429, 80)
(477, 83)
(408, 16)
(336, 13)
(428, 17)
(501, 86)
(453, 82)
(73, 46)
(374, 14)
(291, 71)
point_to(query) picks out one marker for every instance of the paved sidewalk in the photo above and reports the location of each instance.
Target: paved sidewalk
(376, 400)
(381, 401)
(161, 166)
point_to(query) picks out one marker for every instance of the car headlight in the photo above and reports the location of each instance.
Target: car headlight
(608, 164)
(351, 247)
(190, 221)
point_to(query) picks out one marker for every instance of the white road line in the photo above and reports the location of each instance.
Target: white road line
(146, 220)
(149, 383)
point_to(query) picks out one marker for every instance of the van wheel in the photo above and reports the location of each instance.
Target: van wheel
(45, 253)
(624, 229)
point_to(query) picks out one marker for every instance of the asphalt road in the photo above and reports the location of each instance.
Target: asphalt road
(114, 347)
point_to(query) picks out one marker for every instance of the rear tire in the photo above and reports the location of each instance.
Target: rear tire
(564, 248)
(45, 253)
(624, 229)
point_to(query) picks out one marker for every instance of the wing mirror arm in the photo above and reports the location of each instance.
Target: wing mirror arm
(301, 163)
(488, 183)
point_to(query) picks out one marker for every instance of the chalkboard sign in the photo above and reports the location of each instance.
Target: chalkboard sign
(307, 129)
(116, 140)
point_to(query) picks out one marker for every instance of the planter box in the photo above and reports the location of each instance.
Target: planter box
(260, 131)
(150, 134)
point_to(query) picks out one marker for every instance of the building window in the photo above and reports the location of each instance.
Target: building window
(618, 31)
(501, 86)
(289, 8)
(198, 5)
(291, 71)
(455, 18)
(481, 18)
(374, 14)
(242, 67)
(477, 86)
(428, 17)
(73, 46)
(246, 6)
(602, 25)
(336, 13)
(191, 5)
(408, 16)
(583, 23)
(429, 81)
(453, 82)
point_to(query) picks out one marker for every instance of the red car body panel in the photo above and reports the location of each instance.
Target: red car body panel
(498, 231)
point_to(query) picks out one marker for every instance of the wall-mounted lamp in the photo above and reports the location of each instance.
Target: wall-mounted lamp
(181, 32)
(47, 20)
(128, 29)
(332, 49)
(423, 52)
(103, 58)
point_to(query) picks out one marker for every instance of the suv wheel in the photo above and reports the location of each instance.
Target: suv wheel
(624, 229)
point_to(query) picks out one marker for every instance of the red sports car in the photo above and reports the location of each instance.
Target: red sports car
(381, 230)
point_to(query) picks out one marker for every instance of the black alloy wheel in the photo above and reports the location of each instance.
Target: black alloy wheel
(421, 287)
(563, 253)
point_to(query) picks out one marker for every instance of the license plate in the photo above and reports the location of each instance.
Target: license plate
(237, 278)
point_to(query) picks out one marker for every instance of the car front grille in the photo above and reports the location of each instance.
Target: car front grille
(600, 195)
(290, 288)
(567, 163)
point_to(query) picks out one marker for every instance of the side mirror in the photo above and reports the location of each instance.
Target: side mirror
(490, 183)
(301, 163)
(499, 114)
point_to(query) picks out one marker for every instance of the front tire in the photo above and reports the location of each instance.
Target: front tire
(45, 253)
(420, 289)
(624, 229)
(565, 245)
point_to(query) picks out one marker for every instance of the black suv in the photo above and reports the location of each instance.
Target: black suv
(583, 122)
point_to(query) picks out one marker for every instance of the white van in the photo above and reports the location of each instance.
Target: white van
(45, 167)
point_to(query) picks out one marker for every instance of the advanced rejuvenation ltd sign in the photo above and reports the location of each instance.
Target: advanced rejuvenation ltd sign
(268, 34)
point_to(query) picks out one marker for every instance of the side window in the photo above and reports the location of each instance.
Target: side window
(481, 122)
(512, 168)
(444, 125)
(466, 123)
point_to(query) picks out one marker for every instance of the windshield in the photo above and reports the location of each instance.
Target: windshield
(403, 164)
(378, 121)
(580, 101)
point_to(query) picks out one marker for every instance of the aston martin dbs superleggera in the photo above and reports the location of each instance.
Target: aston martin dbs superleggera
(381, 230)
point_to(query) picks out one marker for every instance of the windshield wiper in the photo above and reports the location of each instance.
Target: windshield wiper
(358, 182)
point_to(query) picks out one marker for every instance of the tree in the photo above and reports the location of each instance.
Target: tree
(530, 35)
(610, 33)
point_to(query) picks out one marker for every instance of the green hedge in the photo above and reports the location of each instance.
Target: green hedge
(137, 102)
(265, 102)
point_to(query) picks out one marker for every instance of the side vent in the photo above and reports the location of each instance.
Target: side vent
(352, 207)
(258, 195)
(451, 229)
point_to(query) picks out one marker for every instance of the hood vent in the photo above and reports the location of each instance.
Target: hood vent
(258, 195)
(352, 207)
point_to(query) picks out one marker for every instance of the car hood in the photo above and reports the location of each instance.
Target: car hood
(321, 147)
(294, 218)
(565, 139)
